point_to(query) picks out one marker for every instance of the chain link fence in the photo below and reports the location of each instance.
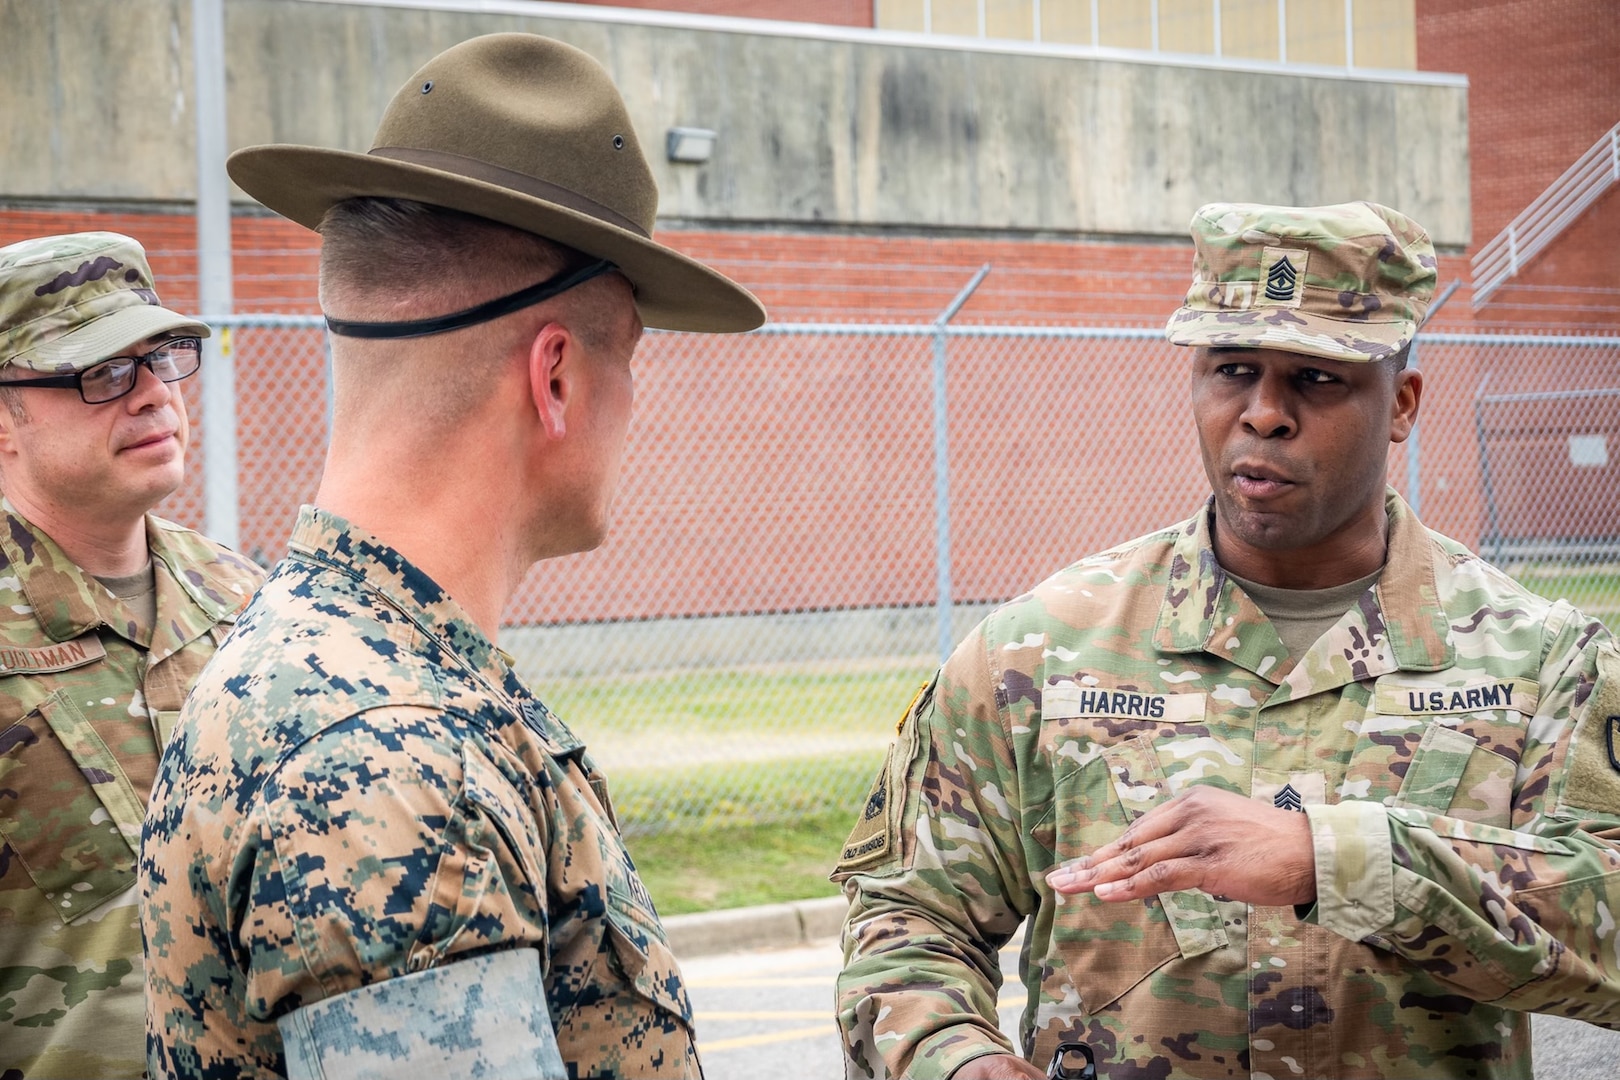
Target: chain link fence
(807, 513)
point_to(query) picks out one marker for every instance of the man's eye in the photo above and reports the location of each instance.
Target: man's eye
(1313, 375)
(1234, 369)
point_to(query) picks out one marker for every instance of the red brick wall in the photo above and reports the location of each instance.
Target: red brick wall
(1544, 84)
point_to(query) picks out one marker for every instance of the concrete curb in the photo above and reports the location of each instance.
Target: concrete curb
(769, 926)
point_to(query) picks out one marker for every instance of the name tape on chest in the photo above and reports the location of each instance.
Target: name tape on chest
(1067, 701)
(1419, 699)
(16, 660)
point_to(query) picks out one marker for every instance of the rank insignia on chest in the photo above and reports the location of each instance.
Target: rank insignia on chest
(1286, 798)
(1613, 732)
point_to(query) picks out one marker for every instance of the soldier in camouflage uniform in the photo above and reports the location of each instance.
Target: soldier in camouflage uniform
(372, 851)
(1294, 788)
(107, 614)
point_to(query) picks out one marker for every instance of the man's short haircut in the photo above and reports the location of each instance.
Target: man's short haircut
(394, 259)
(1397, 361)
(434, 260)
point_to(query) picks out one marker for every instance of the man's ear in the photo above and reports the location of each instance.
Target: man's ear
(552, 358)
(1404, 408)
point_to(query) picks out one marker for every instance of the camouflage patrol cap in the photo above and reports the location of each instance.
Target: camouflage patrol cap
(1346, 282)
(70, 302)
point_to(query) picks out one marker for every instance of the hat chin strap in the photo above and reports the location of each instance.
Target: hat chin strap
(485, 312)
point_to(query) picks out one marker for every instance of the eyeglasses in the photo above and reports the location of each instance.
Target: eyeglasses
(114, 377)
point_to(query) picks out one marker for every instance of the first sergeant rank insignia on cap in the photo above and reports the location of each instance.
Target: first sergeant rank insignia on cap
(1283, 268)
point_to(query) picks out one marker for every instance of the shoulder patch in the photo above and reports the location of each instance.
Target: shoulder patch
(1592, 781)
(875, 839)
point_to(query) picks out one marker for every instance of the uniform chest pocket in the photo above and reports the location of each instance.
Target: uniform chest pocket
(1108, 948)
(66, 808)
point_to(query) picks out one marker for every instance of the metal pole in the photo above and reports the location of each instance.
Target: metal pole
(214, 292)
(1282, 31)
(1153, 18)
(1096, 26)
(1494, 534)
(942, 472)
(1414, 465)
(1216, 6)
(1035, 14)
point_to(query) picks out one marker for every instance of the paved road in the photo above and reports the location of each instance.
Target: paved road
(769, 1014)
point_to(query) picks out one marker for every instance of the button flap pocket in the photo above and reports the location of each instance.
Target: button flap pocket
(67, 809)
(638, 941)
(1107, 947)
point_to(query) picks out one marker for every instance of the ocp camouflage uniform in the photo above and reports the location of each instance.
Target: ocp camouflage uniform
(360, 791)
(88, 693)
(1458, 770)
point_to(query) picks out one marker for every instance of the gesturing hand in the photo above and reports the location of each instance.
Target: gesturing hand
(1208, 839)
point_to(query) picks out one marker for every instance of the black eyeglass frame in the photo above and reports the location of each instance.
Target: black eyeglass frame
(75, 380)
(482, 313)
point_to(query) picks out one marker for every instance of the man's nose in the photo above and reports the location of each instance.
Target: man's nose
(149, 390)
(1267, 412)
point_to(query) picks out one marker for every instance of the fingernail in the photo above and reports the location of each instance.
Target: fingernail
(1106, 889)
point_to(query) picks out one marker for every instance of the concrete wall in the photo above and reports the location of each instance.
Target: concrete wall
(846, 128)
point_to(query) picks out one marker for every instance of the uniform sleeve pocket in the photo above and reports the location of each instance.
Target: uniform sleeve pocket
(66, 809)
(643, 955)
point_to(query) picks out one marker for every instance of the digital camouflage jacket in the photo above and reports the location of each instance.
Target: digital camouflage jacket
(86, 698)
(361, 791)
(1450, 739)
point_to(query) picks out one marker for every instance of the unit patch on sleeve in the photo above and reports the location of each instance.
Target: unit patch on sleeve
(1592, 781)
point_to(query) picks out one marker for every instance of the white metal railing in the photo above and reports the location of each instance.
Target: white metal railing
(1538, 224)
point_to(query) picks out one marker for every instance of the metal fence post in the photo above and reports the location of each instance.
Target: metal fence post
(942, 470)
(214, 285)
(1414, 465)
(1494, 527)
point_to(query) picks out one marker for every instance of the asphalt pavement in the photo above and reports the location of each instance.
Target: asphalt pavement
(769, 1013)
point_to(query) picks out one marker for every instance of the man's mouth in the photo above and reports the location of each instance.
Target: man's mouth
(1255, 481)
(153, 439)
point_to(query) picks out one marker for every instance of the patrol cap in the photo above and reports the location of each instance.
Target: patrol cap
(69, 302)
(1346, 282)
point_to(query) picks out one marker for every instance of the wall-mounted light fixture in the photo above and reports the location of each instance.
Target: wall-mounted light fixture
(689, 144)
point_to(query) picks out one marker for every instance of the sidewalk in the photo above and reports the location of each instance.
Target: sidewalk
(769, 926)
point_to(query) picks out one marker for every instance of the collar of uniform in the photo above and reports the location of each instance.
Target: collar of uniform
(68, 602)
(1415, 619)
(190, 600)
(57, 590)
(1204, 611)
(331, 541)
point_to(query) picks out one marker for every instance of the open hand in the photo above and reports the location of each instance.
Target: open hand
(1205, 838)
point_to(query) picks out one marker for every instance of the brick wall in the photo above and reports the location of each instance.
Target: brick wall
(1544, 84)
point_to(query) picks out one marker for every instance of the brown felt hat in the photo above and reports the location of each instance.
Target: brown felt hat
(522, 130)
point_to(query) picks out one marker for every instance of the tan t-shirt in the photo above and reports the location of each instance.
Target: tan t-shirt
(138, 591)
(1300, 616)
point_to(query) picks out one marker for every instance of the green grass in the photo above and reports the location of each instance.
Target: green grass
(738, 866)
(857, 698)
(1595, 592)
(729, 795)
